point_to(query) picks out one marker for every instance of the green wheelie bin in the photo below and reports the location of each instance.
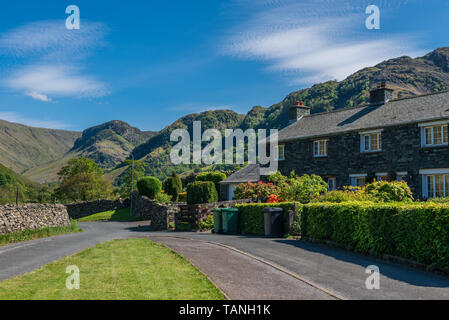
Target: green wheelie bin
(230, 220)
(218, 225)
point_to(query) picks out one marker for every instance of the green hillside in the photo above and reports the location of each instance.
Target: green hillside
(23, 148)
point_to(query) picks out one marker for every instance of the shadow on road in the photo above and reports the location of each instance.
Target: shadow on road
(387, 269)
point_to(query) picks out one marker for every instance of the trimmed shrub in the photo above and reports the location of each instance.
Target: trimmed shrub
(251, 216)
(214, 177)
(149, 186)
(439, 200)
(337, 196)
(418, 231)
(201, 192)
(173, 186)
(162, 198)
(385, 191)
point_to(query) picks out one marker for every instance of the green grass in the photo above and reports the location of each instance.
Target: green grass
(113, 215)
(133, 269)
(27, 235)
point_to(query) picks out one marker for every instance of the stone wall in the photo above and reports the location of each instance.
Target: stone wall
(14, 218)
(82, 209)
(192, 214)
(160, 215)
(401, 151)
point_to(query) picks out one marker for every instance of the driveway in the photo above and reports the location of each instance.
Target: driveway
(338, 271)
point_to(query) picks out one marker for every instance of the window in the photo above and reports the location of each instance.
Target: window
(320, 148)
(371, 142)
(437, 185)
(382, 176)
(401, 176)
(358, 180)
(332, 183)
(280, 152)
(435, 135)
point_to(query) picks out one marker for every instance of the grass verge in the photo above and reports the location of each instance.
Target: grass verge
(113, 215)
(133, 269)
(27, 235)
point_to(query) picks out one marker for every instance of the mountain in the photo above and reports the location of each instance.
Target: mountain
(108, 144)
(23, 148)
(408, 76)
(40, 153)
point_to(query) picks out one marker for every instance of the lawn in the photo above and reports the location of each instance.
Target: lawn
(113, 215)
(27, 235)
(133, 269)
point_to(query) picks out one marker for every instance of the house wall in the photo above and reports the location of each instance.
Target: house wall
(401, 151)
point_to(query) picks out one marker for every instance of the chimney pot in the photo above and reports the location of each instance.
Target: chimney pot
(381, 94)
(298, 111)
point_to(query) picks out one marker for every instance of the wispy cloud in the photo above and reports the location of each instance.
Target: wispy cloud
(17, 118)
(48, 60)
(314, 40)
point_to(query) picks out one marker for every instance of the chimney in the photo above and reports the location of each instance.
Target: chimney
(298, 111)
(381, 94)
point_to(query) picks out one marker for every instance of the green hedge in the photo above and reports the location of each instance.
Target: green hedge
(201, 192)
(251, 217)
(417, 231)
(215, 177)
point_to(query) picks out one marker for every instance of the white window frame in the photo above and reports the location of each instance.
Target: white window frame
(319, 142)
(353, 177)
(370, 134)
(432, 126)
(278, 152)
(400, 176)
(334, 183)
(381, 175)
(426, 173)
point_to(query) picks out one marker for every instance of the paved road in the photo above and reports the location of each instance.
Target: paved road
(241, 277)
(339, 271)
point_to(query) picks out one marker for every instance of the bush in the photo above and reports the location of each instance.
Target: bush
(207, 223)
(173, 186)
(201, 192)
(214, 177)
(162, 198)
(255, 191)
(303, 189)
(149, 186)
(439, 200)
(251, 216)
(338, 196)
(385, 191)
(418, 231)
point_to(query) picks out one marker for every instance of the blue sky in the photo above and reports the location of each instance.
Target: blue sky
(151, 62)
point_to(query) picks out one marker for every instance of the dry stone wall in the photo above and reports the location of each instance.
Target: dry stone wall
(15, 218)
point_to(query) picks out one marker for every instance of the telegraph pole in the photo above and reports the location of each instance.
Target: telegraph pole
(132, 187)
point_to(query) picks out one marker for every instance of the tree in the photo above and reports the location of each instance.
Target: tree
(139, 173)
(82, 179)
(149, 186)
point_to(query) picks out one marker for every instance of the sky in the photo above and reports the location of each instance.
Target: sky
(151, 62)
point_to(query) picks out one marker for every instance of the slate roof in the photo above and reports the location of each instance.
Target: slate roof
(250, 173)
(430, 107)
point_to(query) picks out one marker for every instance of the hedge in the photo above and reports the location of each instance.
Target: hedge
(201, 192)
(418, 231)
(251, 216)
(173, 186)
(215, 177)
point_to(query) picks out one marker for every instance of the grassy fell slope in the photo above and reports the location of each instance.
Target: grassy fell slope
(23, 147)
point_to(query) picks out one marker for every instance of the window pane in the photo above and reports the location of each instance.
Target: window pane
(430, 186)
(281, 152)
(315, 148)
(428, 135)
(379, 137)
(367, 143)
(445, 136)
(439, 186)
(437, 135)
(322, 151)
